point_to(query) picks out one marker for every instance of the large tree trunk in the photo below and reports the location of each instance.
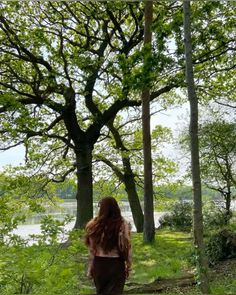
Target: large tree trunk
(149, 225)
(83, 152)
(84, 186)
(195, 166)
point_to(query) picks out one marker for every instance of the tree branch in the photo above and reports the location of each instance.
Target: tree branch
(116, 170)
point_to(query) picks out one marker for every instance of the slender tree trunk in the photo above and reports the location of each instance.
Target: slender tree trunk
(196, 179)
(135, 206)
(228, 204)
(133, 198)
(149, 225)
(84, 186)
(128, 179)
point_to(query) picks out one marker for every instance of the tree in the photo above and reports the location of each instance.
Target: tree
(149, 225)
(214, 54)
(54, 60)
(218, 158)
(213, 41)
(194, 144)
(67, 69)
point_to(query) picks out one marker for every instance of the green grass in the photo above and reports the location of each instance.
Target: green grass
(167, 257)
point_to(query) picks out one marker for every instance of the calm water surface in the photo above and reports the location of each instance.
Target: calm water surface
(32, 224)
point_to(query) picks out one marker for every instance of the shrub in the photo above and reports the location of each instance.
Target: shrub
(46, 267)
(180, 218)
(214, 216)
(221, 246)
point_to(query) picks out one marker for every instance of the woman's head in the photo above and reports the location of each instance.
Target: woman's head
(108, 208)
(104, 229)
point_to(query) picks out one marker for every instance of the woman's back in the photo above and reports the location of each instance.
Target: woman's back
(108, 239)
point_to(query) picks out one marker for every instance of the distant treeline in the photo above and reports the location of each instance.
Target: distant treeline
(67, 189)
(180, 192)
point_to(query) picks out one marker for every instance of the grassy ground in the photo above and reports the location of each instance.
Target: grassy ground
(51, 270)
(167, 257)
(222, 281)
(170, 257)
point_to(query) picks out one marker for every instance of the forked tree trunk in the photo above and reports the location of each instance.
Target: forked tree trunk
(195, 166)
(149, 225)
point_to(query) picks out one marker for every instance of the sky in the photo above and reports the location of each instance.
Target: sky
(172, 118)
(14, 156)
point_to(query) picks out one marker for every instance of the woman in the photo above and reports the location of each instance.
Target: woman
(108, 239)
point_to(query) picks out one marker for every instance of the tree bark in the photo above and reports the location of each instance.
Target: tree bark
(149, 225)
(228, 204)
(83, 147)
(133, 198)
(128, 178)
(195, 166)
(84, 194)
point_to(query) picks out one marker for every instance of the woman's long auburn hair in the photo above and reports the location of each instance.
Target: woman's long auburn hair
(104, 229)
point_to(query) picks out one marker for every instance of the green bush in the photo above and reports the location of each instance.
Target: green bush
(180, 218)
(214, 216)
(221, 246)
(46, 267)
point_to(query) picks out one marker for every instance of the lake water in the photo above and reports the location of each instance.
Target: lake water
(32, 225)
